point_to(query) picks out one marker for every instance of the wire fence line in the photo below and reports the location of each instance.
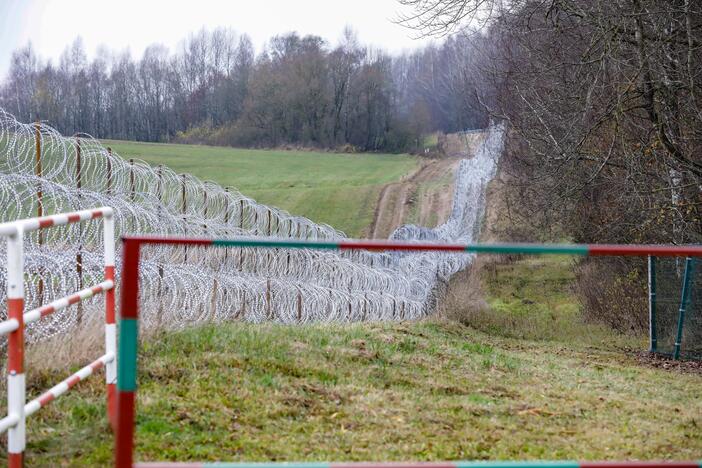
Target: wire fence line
(43, 172)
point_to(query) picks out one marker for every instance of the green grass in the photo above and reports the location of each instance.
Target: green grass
(419, 391)
(536, 382)
(532, 298)
(338, 189)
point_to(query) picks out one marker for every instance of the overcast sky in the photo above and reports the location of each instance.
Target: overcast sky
(50, 25)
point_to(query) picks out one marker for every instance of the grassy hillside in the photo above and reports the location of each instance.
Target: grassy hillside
(424, 391)
(338, 189)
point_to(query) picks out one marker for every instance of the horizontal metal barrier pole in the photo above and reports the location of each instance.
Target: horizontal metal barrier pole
(62, 387)
(456, 464)
(60, 304)
(8, 326)
(33, 224)
(8, 229)
(507, 248)
(8, 422)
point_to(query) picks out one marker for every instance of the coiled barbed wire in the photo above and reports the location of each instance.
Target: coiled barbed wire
(44, 172)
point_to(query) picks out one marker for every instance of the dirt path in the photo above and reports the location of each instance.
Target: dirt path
(424, 197)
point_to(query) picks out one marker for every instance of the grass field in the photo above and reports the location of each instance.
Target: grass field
(422, 391)
(337, 189)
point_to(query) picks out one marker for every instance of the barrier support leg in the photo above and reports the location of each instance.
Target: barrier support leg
(127, 355)
(653, 341)
(110, 326)
(16, 396)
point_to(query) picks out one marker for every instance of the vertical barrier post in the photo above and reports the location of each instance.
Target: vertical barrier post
(127, 355)
(16, 397)
(684, 298)
(110, 326)
(653, 341)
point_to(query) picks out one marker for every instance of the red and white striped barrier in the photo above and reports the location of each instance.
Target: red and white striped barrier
(61, 388)
(17, 408)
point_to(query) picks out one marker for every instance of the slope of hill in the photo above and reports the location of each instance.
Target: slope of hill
(428, 390)
(337, 189)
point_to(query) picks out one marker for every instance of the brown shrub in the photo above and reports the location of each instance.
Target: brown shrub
(614, 292)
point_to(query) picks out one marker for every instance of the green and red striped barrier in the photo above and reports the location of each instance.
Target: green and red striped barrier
(506, 248)
(456, 464)
(129, 316)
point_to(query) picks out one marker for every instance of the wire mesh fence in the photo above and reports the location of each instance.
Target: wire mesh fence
(675, 307)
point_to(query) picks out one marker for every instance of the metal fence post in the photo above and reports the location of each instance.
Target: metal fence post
(108, 188)
(653, 341)
(127, 354)
(40, 198)
(79, 254)
(184, 202)
(684, 298)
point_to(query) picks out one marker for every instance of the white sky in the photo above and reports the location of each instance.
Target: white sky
(51, 25)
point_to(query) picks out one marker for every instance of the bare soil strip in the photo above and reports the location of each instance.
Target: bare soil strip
(426, 196)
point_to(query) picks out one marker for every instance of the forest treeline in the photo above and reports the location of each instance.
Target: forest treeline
(604, 103)
(215, 89)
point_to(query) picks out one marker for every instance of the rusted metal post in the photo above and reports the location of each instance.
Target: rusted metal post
(37, 145)
(241, 226)
(204, 214)
(132, 184)
(159, 195)
(226, 220)
(185, 208)
(242, 313)
(269, 312)
(299, 306)
(79, 254)
(268, 253)
(40, 200)
(108, 189)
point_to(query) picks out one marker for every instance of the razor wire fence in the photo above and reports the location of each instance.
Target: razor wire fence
(43, 172)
